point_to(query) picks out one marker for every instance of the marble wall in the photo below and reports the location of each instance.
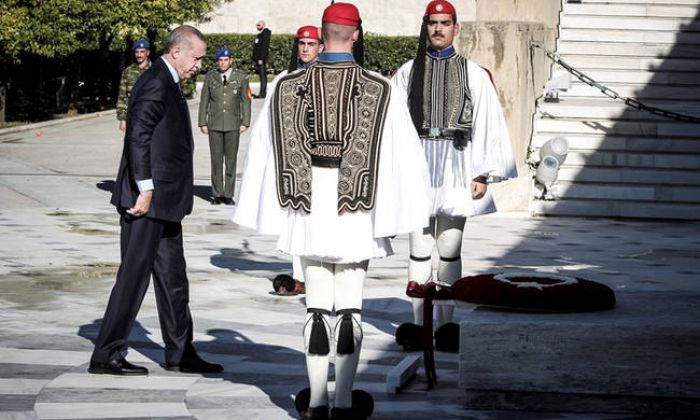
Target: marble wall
(386, 17)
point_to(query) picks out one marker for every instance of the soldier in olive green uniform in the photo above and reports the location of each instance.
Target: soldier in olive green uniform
(224, 113)
(141, 49)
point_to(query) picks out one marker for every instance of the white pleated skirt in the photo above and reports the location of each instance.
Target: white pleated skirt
(325, 235)
(450, 181)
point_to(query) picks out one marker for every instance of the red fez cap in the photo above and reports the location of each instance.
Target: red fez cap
(342, 14)
(440, 7)
(309, 32)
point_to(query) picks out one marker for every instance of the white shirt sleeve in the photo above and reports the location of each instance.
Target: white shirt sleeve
(145, 185)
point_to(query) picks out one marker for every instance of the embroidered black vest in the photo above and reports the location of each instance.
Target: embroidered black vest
(331, 115)
(447, 100)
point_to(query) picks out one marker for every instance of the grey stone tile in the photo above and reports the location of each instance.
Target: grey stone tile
(109, 395)
(12, 370)
(17, 402)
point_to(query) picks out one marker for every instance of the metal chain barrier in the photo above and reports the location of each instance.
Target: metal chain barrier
(611, 93)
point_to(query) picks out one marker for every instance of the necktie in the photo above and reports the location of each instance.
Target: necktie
(224, 80)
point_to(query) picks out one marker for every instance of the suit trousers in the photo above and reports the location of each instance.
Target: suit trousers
(148, 247)
(223, 147)
(262, 72)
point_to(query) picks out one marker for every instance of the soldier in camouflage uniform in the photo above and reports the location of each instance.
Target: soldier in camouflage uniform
(224, 113)
(141, 49)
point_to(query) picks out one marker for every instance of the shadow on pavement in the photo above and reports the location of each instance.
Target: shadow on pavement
(265, 356)
(203, 192)
(257, 356)
(237, 260)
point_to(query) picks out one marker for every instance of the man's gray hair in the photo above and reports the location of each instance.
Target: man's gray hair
(182, 36)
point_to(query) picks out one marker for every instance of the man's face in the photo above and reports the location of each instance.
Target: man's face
(188, 61)
(309, 49)
(224, 63)
(141, 55)
(260, 26)
(441, 31)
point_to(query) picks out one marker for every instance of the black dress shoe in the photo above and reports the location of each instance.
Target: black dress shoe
(194, 364)
(117, 367)
(229, 201)
(217, 200)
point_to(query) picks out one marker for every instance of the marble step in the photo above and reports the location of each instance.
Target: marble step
(625, 35)
(630, 9)
(621, 159)
(613, 143)
(611, 109)
(645, 77)
(647, 192)
(636, 91)
(644, 346)
(618, 208)
(629, 176)
(606, 62)
(638, 23)
(570, 48)
(659, 129)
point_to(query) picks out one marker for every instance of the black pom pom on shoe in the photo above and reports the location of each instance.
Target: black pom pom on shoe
(302, 400)
(362, 403)
(447, 338)
(410, 336)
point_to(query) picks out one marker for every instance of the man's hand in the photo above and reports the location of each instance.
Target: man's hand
(204, 129)
(243, 128)
(122, 125)
(260, 62)
(479, 186)
(143, 204)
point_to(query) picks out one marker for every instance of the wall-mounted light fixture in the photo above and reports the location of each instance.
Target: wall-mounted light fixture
(552, 156)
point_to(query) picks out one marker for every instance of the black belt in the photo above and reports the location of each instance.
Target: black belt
(459, 136)
(325, 161)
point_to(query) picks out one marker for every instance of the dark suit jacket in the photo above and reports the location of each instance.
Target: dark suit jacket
(261, 48)
(158, 145)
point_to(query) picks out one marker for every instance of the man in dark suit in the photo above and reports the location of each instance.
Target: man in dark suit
(261, 51)
(153, 193)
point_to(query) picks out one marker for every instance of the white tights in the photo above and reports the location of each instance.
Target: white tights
(331, 286)
(445, 233)
(297, 270)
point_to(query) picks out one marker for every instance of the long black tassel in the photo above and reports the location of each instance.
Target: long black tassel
(318, 341)
(294, 59)
(358, 48)
(416, 86)
(346, 337)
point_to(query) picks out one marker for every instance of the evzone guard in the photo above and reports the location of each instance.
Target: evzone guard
(455, 109)
(305, 51)
(334, 168)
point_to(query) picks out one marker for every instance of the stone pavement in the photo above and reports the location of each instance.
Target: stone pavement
(59, 254)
